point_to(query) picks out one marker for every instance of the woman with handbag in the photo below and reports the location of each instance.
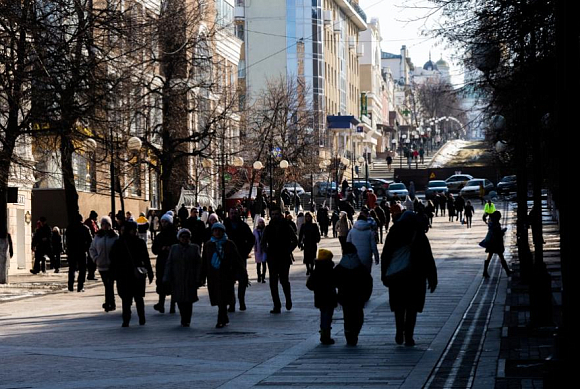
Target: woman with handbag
(221, 264)
(493, 243)
(182, 271)
(130, 267)
(407, 264)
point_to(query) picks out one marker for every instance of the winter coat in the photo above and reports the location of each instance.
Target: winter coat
(220, 282)
(353, 282)
(322, 217)
(42, 239)
(197, 229)
(241, 234)
(308, 239)
(258, 253)
(363, 237)
(495, 238)
(321, 282)
(78, 240)
(343, 227)
(127, 253)
(56, 243)
(408, 290)
(182, 272)
(469, 210)
(278, 242)
(459, 204)
(451, 206)
(165, 238)
(371, 200)
(101, 248)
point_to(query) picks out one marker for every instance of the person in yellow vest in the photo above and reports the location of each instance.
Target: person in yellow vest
(488, 210)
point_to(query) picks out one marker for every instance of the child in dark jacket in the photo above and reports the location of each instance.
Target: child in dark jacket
(322, 283)
(355, 285)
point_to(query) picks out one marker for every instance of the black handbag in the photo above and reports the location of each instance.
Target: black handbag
(139, 272)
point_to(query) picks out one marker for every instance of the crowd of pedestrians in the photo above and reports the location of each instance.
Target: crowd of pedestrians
(199, 247)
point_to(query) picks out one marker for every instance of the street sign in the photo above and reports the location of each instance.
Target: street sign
(432, 176)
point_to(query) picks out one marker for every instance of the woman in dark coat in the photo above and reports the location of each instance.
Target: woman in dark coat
(221, 264)
(355, 285)
(161, 246)
(451, 207)
(407, 288)
(308, 240)
(322, 284)
(128, 253)
(182, 272)
(494, 243)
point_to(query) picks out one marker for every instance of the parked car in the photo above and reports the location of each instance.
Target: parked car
(434, 187)
(325, 188)
(358, 183)
(471, 189)
(457, 181)
(507, 185)
(291, 185)
(379, 186)
(397, 188)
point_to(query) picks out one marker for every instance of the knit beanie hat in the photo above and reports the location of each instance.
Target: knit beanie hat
(106, 219)
(167, 217)
(183, 231)
(218, 225)
(324, 254)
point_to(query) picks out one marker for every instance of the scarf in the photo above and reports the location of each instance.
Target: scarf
(216, 259)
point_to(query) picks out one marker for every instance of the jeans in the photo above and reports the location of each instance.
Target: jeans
(353, 318)
(185, 310)
(326, 318)
(108, 283)
(77, 263)
(139, 303)
(279, 273)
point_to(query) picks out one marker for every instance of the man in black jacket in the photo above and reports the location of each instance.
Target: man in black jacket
(196, 227)
(241, 234)
(42, 246)
(278, 242)
(78, 242)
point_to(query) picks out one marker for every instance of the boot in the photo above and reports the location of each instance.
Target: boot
(485, 266)
(172, 307)
(325, 337)
(351, 338)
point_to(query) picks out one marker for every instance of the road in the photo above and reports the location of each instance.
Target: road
(64, 340)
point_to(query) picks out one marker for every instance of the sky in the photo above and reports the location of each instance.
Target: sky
(402, 22)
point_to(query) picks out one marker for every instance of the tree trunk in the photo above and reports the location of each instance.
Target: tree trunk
(70, 191)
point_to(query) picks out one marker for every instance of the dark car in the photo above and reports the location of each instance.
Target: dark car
(434, 187)
(359, 184)
(507, 185)
(457, 181)
(379, 186)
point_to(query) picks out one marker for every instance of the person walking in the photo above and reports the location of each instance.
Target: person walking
(459, 207)
(443, 203)
(196, 227)
(78, 241)
(100, 252)
(278, 242)
(363, 237)
(142, 227)
(389, 162)
(322, 219)
(334, 220)
(154, 223)
(321, 282)
(409, 204)
(182, 274)
(91, 223)
(258, 253)
(381, 220)
(429, 210)
(161, 247)
(371, 199)
(488, 210)
(412, 190)
(57, 248)
(436, 202)
(131, 266)
(221, 264)
(493, 243)
(41, 246)
(482, 193)
(343, 228)
(240, 233)
(182, 215)
(450, 207)
(469, 211)
(308, 240)
(407, 249)
(354, 285)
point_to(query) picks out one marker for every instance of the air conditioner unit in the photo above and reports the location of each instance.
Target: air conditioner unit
(337, 27)
(327, 17)
(360, 50)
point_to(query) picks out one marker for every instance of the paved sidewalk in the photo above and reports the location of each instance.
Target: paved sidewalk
(64, 340)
